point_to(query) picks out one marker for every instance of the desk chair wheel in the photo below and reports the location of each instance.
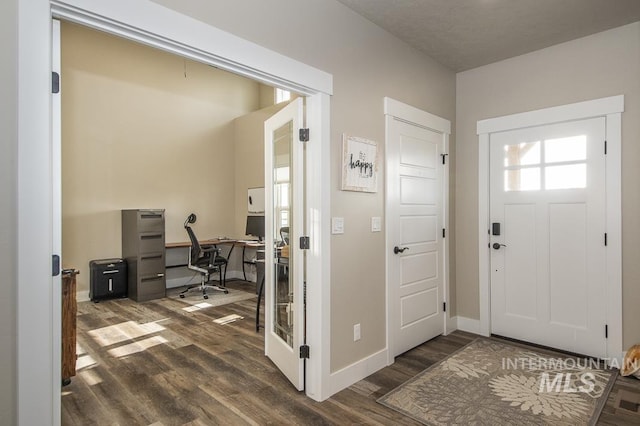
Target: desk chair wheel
(206, 296)
(182, 296)
(226, 292)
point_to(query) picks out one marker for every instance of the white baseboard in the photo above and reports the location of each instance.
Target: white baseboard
(468, 324)
(357, 371)
(452, 325)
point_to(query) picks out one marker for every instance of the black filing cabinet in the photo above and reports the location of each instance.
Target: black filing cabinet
(143, 249)
(108, 279)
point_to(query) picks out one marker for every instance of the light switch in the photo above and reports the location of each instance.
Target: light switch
(376, 224)
(337, 225)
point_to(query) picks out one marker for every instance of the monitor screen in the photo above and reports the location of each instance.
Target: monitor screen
(255, 226)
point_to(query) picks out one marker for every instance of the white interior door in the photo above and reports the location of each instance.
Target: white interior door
(415, 189)
(548, 265)
(285, 263)
(56, 212)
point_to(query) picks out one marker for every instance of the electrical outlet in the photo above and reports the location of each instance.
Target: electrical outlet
(356, 332)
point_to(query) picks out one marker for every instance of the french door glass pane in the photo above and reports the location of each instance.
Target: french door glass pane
(283, 297)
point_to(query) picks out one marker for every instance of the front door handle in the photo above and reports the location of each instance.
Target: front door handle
(397, 249)
(498, 245)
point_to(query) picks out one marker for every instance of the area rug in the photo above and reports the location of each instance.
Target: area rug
(216, 298)
(491, 382)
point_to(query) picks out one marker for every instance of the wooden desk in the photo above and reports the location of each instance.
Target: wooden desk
(251, 244)
(210, 242)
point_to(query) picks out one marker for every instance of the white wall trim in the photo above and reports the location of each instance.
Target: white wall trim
(357, 371)
(148, 23)
(142, 20)
(611, 108)
(469, 325)
(576, 111)
(413, 115)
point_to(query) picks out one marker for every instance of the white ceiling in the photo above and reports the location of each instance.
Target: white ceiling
(464, 34)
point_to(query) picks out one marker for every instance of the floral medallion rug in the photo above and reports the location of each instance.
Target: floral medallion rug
(491, 382)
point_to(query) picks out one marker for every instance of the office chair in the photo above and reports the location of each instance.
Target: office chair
(204, 260)
(284, 235)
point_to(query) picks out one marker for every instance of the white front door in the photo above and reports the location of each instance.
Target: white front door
(415, 186)
(548, 260)
(284, 225)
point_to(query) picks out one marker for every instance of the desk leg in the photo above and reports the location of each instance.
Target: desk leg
(243, 258)
(258, 305)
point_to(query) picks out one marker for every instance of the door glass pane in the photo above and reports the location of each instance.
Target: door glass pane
(573, 148)
(527, 179)
(283, 297)
(522, 154)
(566, 177)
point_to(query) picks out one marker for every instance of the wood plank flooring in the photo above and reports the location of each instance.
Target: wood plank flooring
(155, 363)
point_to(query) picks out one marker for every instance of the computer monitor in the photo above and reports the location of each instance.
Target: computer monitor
(255, 227)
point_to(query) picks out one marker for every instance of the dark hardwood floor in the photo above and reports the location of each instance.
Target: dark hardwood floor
(155, 363)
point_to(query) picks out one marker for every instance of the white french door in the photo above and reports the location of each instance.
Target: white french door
(284, 260)
(415, 187)
(548, 258)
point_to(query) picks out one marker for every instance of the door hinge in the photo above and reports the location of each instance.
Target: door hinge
(605, 147)
(605, 238)
(444, 158)
(304, 243)
(304, 352)
(55, 82)
(444, 306)
(304, 135)
(444, 233)
(606, 331)
(55, 265)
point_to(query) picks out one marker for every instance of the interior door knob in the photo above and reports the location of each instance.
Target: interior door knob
(498, 245)
(397, 249)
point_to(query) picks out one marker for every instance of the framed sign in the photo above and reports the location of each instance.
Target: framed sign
(359, 164)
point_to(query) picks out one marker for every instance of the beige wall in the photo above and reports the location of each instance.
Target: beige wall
(367, 64)
(249, 159)
(8, 216)
(593, 67)
(139, 133)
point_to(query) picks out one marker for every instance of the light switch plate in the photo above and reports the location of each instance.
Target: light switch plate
(376, 224)
(337, 225)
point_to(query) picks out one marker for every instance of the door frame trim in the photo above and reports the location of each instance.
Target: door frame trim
(397, 110)
(36, 340)
(611, 109)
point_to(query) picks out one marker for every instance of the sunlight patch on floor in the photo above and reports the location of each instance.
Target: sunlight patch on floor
(128, 330)
(197, 307)
(136, 347)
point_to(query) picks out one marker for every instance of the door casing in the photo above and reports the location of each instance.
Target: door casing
(154, 25)
(611, 109)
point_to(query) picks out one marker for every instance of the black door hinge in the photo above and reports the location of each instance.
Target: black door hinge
(55, 82)
(304, 243)
(605, 238)
(304, 352)
(605, 147)
(55, 265)
(606, 331)
(304, 135)
(444, 158)
(444, 306)
(444, 233)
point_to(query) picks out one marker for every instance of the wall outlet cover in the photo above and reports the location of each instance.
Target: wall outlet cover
(337, 225)
(376, 224)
